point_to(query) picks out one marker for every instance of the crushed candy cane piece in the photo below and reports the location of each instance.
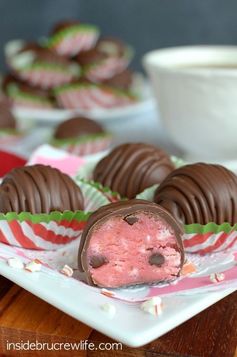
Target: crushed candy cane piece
(152, 306)
(109, 309)
(67, 270)
(217, 277)
(33, 266)
(107, 293)
(188, 268)
(15, 263)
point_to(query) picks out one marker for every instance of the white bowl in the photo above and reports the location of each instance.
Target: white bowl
(198, 105)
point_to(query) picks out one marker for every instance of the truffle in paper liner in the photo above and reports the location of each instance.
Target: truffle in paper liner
(49, 231)
(21, 98)
(86, 145)
(108, 67)
(89, 96)
(73, 39)
(49, 75)
(203, 239)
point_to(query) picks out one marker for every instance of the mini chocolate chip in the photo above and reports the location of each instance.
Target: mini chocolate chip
(97, 261)
(131, 220)
(157, 259)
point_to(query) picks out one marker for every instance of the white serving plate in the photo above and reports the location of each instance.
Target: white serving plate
(55, 116)
(130, 325)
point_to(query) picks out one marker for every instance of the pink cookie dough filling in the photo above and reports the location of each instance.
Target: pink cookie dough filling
(140, 248)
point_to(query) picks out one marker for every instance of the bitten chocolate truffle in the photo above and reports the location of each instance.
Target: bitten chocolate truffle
(131, 168)
(7, 120)
(128, 243)
(200, 193)
(77, 127)
(39, 189)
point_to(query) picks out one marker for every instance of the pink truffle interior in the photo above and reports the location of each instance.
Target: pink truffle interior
(127, 249)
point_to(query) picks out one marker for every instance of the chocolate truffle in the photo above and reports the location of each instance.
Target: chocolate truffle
(68, 38)
(106, 47)
(200, 193)
(39, 66)
(22, 94)
(128, 243)
(39, 189)
(77, 127)
(7, 120)
(131, 168)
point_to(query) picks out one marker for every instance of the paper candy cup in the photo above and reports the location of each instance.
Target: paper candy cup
(10, 137)
(74, 39)
(107, 68)
(87, 145)
(209, 238)
(50, 231)
(48, 75)
(88, 96)
(109, 195)
(41, 231)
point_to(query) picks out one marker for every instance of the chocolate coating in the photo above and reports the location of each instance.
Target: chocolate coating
(39, 189)
(121, 80)
(131, 168)
(105, 48)
(7, 120)
(200, 193)
(77, 127)
(44, 54)
(123, 209)
(62, 25)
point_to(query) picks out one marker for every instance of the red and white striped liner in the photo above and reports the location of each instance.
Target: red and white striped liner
(41, 236)
(107, 69)
(204, 243)
(87, 148)
(91, 98)
(70, 45)
(44, 78)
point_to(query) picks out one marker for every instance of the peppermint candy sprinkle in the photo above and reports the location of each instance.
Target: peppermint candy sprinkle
(15, 263)
(33, 266)
(152, 306)
(217, 277)
(109, 309)
(67, 270)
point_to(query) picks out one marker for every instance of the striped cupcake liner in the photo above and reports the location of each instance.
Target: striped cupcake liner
(88, 96)
(48, 75)
(87, 145)
(50, 231)
(209, 238)
(27, 100)
(109, 196)
(74, 39)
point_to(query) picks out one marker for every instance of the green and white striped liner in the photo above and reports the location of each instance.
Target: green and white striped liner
(93, 197)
